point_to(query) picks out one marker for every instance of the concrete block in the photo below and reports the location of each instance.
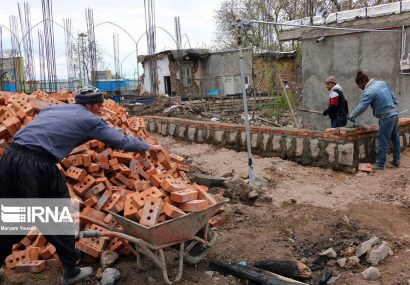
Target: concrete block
(218, 136)
(159, 127)
(289, 146)
(200, 135)
(314, 147)
(232, 137)
(191, 133)
(164, 128)
(171, 130)
(299, 147)
(243, 138)
(346, 152)
(265, 141)
(254, 140)
(181, 131)
(362, 151)
(276, 146)
(152, 127)
(331, 151)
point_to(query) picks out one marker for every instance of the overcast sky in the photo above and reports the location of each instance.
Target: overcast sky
(196, 17)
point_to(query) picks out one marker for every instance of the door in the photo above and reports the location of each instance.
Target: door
(167, 83)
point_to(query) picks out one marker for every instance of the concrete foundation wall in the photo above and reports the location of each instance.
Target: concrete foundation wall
(342, 55)
(341, 151)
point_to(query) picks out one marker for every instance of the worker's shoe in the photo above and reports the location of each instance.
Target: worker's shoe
(84, 273)
(377, 168)
(395, 163)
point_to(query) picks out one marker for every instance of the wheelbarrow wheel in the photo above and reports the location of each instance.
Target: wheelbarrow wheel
(199, 251)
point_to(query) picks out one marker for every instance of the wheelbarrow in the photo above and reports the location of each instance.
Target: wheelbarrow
(189, 236)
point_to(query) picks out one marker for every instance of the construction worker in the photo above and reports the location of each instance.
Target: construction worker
(383, 101)
(337, 109)
(28, 167)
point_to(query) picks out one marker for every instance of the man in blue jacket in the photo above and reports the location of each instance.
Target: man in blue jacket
(383, 101)
(28, 167)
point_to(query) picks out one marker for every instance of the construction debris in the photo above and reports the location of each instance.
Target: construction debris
(149, 188)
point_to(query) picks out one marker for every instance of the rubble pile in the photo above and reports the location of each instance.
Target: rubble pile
(148, 188)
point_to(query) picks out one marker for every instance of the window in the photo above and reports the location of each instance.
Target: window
(186, 74)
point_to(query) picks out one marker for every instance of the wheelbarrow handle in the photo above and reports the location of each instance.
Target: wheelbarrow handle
(89, 234)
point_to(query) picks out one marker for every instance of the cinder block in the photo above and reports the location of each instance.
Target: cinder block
(194, 206)
(183, 196)
(31, 266)
(151, 212)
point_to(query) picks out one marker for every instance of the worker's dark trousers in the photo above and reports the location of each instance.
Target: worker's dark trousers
(338, 122)
(26, 173)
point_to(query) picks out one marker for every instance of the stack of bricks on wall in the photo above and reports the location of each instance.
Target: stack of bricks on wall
(148, 188)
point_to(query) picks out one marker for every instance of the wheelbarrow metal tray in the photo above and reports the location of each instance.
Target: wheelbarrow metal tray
(169, 232)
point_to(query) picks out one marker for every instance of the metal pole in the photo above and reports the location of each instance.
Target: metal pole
(245, 109)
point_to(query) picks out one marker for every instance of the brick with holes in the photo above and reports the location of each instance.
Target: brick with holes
(103, 199)
(88, 248)
(123, 157)
(171, 185)
(81, 187)
(172, 211)
(76, 173)
(204, 195)
(31, 266)
(183, 196)
(151, 212)
(176, 158)
(194, 206)
(48, 252)
(131, 208)
(93, 213)
(115, 204)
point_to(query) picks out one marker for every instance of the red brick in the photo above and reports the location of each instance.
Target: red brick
(366, 167)
(110, 220)
(141, 185)
(88, 248)
(183, 196)
(122, 156)
(151, 212)
(25, 241)
(87, 160)
(93, 213)
(12, 125)
(182, 167)
(114, 244)
(40, 241)
(125, 180)
(31, 266)
(176, 158)
(172, 211)
(217, 220)
(204, 195)
(81, 187)
(103, 199)
(48, 252)
(91, 201)
(76, 173)
(115, 204)
(171, 185)
(131, 208)
(194, 206)
(184, 177)
(94, 167)
(66, 162)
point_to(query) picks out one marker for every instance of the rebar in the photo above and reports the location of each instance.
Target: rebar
(48, 25)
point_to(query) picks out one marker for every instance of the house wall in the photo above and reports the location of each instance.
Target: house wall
(342, 55)
(163, 70)
(224, 66)
(268, 69)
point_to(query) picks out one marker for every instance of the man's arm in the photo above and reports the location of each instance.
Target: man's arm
(333, 102)
(365, 101)
(112, 137)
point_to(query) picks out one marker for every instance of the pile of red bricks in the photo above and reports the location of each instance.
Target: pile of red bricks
(148, 188)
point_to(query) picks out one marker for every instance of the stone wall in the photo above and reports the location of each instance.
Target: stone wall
(340, 149)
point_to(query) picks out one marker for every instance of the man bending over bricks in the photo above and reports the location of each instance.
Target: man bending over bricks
(28, 167)
(383, 101)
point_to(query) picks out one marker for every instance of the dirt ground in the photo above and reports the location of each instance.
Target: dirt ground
(303, 211)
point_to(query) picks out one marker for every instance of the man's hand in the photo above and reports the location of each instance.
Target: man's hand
(324, 113)
(155, 147)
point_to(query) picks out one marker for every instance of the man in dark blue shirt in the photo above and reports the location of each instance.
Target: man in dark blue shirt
(28, 167)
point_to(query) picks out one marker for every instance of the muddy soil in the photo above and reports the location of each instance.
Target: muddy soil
(303, 211)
